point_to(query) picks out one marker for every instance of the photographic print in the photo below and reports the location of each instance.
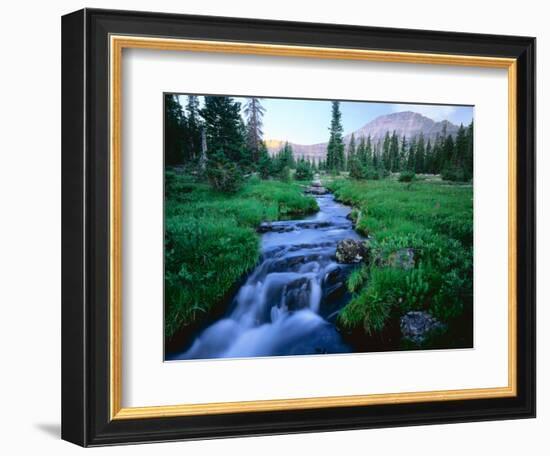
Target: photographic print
(316, 227)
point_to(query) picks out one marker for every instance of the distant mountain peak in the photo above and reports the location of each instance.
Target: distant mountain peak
(405, 123)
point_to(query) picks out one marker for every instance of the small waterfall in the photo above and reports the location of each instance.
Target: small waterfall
(288, 304)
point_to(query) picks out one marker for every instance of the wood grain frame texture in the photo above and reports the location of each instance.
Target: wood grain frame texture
(93, 43)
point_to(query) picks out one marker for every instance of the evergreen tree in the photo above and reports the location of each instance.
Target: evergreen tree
(335, 148)
(403, 154)
(411, 156)
(394, 153)
(429, 159)
(194, 127)
(437, 154)
(286, 156)
(375, 155)
(460, 149)
(174, 131)
(224, 175)
(386, 158)
(356, 169)
(447, 152)
(264, 162)
(224, 128)
(469, 159)
(245, 160)
(368, 153)
(351, 149)
(303, 170)
(420, 155)
(254, 112)
(362, 150)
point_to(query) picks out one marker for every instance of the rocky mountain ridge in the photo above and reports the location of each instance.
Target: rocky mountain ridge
(405, 123)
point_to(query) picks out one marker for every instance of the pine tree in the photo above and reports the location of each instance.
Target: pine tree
(429, 159)
(375, 155)
(411, 156)
(254, 112)
(437, 153)
(194, 127)
(460, 149)
(174, 131)
(351, 150)
(224, 128)
(362, 150)
(394, 153)
(403, 154)
(447, 152)
(386, 158)
(335, 148)
(369, 153)
(245, 160)
(419, 157)
(469, 159)
(265, 165)
(303, 170)
(286, 156)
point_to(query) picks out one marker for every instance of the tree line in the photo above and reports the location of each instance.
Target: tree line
(366, 159)
(217, 143)
(214, 140)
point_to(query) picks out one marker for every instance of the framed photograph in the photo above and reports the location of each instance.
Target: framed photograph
(278, 227)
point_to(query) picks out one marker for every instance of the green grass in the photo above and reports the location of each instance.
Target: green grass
(433, 218)
(211, 240)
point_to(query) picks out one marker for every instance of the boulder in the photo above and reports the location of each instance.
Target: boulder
(416, 326)
(351, 251)
(334, 276)
(334, 293)
(296, 294)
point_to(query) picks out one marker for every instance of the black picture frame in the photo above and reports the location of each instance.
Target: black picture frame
(85, 228)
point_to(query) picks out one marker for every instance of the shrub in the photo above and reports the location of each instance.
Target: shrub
(367, 309)
(284, 175)
(265, 167)
(356, 169)
(253, 179)
(456, 174)
(224, 175)
(407, 176)
(383, 173)
(303, 171)
(372, 174)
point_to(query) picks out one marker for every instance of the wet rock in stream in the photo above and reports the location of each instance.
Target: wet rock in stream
(351, 251)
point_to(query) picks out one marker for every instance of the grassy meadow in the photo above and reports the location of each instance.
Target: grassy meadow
(211, 239)
(431, 218)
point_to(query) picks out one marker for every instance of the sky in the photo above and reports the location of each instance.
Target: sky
(307, 121)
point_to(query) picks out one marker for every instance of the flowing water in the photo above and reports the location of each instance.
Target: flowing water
(289, 302)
